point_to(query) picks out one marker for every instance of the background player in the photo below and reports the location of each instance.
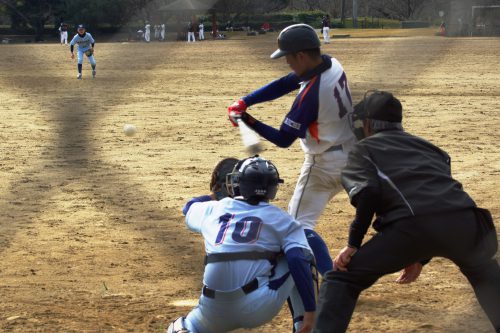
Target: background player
(85, 43)
(190, 32)
(201, 31)
(319, 117)
(326, 29)
(147, 32)
(63, 33)
(162, 32)
(246, 282)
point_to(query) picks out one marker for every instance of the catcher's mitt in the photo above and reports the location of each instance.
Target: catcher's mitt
(89, 52)
(218, 181)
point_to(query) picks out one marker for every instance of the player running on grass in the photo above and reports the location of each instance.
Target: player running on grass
(85, 43)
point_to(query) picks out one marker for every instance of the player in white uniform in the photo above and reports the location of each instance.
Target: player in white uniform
(247, 278)
(85, 43)
(326, 29)
(319, 116)
(162, 32)
(63, 33)
(201, 29)
(147, 32)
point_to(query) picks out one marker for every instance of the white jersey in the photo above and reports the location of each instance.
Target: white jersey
(232, 225)
(334, 105)
(84, 43)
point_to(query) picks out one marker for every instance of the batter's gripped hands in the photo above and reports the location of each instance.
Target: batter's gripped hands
(307, 323)
(235, 111)
(343, 258)
(410, 273)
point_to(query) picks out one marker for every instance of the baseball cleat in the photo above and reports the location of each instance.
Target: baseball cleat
(79, 77)
(94, 73)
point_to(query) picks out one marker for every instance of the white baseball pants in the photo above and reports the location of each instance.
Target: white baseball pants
(318, 183)
(64, 37)
(228, 311)
(80, 55)
(326, 35)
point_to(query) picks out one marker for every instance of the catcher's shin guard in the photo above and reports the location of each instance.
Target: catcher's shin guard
(177, 326)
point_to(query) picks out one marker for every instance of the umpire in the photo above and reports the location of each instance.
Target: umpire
(421, 213)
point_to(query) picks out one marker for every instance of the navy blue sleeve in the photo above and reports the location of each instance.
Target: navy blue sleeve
(203, 198)
(300, 269)
(280, 138)
(304, 111)
(273, 90)
(324, 262)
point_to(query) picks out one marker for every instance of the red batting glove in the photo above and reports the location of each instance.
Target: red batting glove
(236, 111)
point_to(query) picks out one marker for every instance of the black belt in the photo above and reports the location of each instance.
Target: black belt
(247, 289)
(230, 256)
(334, 148)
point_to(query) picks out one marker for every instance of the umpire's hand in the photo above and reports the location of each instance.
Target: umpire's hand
(343, 258)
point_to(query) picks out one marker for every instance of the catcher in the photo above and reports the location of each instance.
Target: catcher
(257, 254)
(86, 44)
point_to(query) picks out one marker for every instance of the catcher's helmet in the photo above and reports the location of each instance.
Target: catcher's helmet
(255, 179)
(295, 38)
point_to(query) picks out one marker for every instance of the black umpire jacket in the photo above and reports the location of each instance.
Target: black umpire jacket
(408, 175)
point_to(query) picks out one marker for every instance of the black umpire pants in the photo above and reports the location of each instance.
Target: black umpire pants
(466, 237)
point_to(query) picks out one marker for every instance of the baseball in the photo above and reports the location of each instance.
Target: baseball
(129, 129)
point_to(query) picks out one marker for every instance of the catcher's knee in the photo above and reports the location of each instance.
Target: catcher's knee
(178, 326)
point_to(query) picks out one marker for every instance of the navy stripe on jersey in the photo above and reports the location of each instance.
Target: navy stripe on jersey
(304, 110)
(324, 66)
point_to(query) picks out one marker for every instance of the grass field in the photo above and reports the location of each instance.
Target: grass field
(92, 236)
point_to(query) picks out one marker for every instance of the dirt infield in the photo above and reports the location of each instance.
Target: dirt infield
(92, 236)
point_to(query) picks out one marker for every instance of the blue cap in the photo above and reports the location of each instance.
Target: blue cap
(81, 26)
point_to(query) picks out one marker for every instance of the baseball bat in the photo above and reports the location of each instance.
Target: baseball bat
(250, 140)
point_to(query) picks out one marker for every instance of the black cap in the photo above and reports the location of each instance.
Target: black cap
(295, 38)
(380, 105)
(81, 26)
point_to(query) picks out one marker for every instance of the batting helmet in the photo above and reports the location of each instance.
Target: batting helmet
(295, 38)
(255, 179)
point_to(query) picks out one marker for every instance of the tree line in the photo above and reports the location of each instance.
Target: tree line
(35, 14)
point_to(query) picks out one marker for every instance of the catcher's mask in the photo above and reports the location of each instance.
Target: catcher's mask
(255, 179)
(377, 105)
(218, 182)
